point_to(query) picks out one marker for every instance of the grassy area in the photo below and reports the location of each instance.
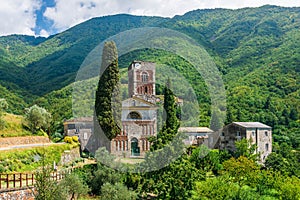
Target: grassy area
(14, 127)
(131, 160)
(24, 160)
(88, 197)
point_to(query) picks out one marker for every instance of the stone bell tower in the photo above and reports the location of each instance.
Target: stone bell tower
(141, 79)
(138, 112)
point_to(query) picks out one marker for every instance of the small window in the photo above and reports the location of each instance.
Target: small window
(266, 133)
(71, 126)
(267, 147)
(222, 134)
(144, 77)
(133, 103)
(253, 133)
(85, 136)
(238, 133)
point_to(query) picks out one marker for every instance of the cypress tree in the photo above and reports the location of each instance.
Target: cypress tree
(170, 107)
(108, 103)
(170, 127)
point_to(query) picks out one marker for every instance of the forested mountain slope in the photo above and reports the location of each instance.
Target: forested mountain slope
(256, 49)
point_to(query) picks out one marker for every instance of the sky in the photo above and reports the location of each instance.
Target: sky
(47, 17)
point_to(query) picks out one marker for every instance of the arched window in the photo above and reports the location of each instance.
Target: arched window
(144, 77)
(134, 115)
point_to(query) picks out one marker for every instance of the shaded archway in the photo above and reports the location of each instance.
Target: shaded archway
(134, 115)
(135, 149)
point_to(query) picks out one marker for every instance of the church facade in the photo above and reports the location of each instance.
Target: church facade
(139, 112)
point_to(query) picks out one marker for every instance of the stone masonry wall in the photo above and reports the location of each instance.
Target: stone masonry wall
(11, 141)
(25, 194)
(69, 156)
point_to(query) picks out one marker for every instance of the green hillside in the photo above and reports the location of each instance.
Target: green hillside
(14, 127)
(256, 49)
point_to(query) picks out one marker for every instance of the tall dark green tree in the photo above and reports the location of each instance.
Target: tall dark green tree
(170, 107)
(170, 127)
(108, 102)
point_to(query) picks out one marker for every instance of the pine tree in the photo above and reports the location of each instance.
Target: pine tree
(108, 102)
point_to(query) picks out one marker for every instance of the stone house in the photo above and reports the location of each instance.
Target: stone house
(197, 136)
(256, 132)
(82, 127)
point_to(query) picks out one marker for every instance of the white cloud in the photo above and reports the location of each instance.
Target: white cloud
(18, 16)
(44, 33)
(69, 13)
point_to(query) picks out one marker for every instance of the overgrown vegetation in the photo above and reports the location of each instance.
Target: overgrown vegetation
(22, 160)
(204, 174)
(14, 126)
(70, 187)
(3, 107)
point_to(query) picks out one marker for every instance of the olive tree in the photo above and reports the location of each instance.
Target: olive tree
(37, 118)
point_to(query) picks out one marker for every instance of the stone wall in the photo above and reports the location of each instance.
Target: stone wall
(25, 194)
(12, 141)
(69, 156)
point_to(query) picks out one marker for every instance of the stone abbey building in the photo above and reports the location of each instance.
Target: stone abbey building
(138, 112)
(139, 117)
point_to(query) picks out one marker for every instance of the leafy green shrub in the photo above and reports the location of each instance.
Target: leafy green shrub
(72, 140)
(75, 138)
(116, 191)
(2, 124)
(56, 139)
(74, 185)
(26, 161)
(68, 139)
(59, 135)
(2, 168)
